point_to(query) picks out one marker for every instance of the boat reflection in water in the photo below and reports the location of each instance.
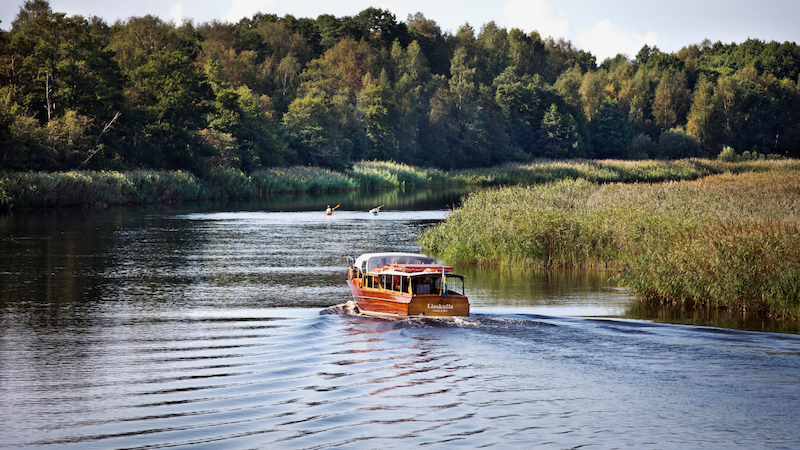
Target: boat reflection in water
(401, 285)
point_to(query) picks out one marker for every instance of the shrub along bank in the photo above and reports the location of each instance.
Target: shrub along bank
(725, 241)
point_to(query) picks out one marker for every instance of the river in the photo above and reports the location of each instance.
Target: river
(220, 326)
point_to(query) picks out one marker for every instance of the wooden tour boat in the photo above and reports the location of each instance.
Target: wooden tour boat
(402, 285)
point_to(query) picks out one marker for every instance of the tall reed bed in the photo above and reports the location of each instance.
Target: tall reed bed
(392, 174)
(608, 171)
(729, 240)
(85, 188)
(300, 179)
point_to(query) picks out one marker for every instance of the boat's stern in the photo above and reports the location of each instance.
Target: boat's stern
(436, 306)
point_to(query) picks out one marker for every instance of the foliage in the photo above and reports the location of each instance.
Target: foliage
(172, 99)
(609, 130)
(275, 91)
(642, 147)
(676, 144)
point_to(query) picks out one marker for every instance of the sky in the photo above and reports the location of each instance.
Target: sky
(605, 28)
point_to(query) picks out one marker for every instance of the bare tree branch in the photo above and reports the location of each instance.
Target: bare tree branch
(97, 141)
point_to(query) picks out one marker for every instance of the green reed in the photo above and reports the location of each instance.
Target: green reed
(85, 188)
(230, 183)
(726, 240)
(392, 174)
(608, 171)
(99, 189)
(300, 179)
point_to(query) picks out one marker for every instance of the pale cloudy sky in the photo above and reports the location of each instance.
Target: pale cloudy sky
(604, 28)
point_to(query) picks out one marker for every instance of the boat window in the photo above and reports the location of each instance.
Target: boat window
(376, 262)
(386, 282)
(404, 284)
(455, 285)
(396, 280)
(425, 285)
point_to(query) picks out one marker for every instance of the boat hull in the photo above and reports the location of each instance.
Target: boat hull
(379, 303)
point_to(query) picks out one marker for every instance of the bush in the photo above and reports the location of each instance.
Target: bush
(642, 147)
(728, 154)
(676, 144)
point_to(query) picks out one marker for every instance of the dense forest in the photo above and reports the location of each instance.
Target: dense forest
(270, 91)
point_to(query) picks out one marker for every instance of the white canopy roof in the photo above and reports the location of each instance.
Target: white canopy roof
(369, 261)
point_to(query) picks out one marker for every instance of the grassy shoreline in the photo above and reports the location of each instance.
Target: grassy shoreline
(109, 188)
(726, 241)
(694, 233)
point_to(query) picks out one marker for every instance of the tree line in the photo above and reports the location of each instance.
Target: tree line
(270, 91)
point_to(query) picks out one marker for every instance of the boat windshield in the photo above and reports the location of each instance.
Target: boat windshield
(399, 259)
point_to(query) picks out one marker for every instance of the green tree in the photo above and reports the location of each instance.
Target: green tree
(593, 91)
(414, 64)
(727, 97)
(224, 45)
(172, 100)
(138, 38)
(568, 85)
(382, 26)
(378, 115)
(523, 101)
(63, 66)
(609, 128)
(348, 62)
(561, 55)
(621, 84)
(560, 137)
(314, 131)
(700, 114)
(671, 100)
(244, 133)
(432, 42)
(412, 92)
(493, 45)
(59, 72)
(287, 78)
(462, 82)
(527, 52)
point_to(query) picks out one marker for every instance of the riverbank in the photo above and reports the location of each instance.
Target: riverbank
(724, 241)
(109, 188)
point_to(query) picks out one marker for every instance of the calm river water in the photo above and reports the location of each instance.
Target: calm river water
(216, 326)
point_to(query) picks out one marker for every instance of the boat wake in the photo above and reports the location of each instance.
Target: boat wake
(350, 308)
